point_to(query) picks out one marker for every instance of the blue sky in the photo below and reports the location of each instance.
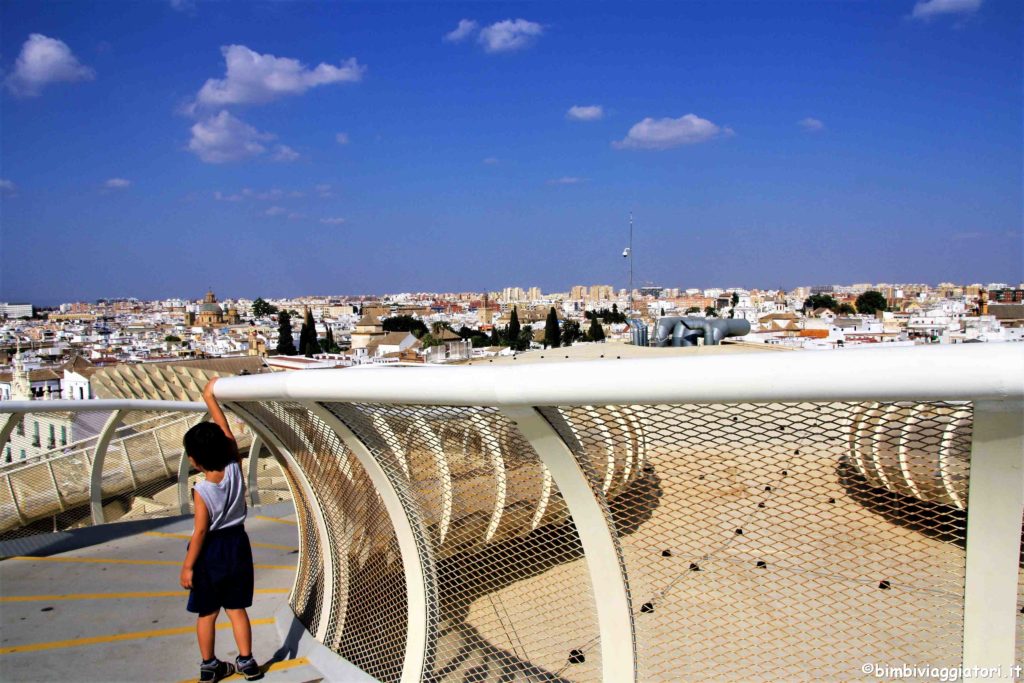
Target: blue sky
(155, 148)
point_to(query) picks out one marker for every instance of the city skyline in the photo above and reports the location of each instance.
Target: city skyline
(151, 149)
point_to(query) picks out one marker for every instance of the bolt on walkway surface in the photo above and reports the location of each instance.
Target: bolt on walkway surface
(114, 611)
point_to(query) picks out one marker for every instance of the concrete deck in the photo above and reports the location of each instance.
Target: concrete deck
(113, 610)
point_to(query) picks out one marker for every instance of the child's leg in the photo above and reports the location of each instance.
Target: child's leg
(206, 634)
(242, 630)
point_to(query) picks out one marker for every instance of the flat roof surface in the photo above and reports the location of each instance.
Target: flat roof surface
(115, 612)
(614, 350)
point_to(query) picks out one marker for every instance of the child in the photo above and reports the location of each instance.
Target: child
(218, 565)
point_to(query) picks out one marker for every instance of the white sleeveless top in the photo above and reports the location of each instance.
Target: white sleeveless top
(224, 500)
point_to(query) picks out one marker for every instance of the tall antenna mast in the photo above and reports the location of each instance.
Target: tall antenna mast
(630, 312)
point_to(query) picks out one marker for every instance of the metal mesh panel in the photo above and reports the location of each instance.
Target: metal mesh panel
(790, 542)
(33, 487)
(270, 479)
(367, 614)
(307, 594)
(508, 592)
(51, 491)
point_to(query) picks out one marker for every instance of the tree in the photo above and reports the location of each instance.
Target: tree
(847, 309)
(596, 332)
(691, 309)
(262, 309)
(512, 333)
(871, 301)
(571, 332)
(525, 338)
(405, 323)
(428, 340)
(308, 343)
(816, 301)
(710, 312)
(285, 340)
(552, 335)
(329, 345)
(172, 338)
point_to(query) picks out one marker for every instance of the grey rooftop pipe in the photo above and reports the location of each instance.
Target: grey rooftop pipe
(685, 331)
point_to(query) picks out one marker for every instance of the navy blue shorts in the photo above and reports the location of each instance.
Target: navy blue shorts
(222, 576)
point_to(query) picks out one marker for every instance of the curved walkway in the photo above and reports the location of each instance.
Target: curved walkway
(113, 611)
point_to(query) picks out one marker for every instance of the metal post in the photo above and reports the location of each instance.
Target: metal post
(160, 452)
(96, 475)
(128, 461)
(995, 509)
(614, 616)
(252, 482)
(13, 420)
(413, 556)
(14, 499)
(56, 487)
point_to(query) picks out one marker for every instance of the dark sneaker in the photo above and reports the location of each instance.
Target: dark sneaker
(248, 667)
(215, 671)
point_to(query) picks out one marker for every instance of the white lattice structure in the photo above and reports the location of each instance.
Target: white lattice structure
(741, 517)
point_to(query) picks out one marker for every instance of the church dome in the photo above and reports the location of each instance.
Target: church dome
(210, 308)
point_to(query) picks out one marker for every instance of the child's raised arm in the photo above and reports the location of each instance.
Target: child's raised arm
(218, 417)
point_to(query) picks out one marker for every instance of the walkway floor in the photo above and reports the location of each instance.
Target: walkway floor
(114, 611)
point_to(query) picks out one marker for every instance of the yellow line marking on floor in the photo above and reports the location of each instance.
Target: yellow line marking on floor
(118, 596)
(112, 560)
(275, 519)
(135, 635)
(275, 666)
(271, 546)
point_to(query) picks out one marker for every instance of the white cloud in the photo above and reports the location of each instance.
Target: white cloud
(295, 216)
(249, 193)
(465, 29)
(332, 221)
(509, 35)
(8, 188)
(926, 9)
(667, 133)
(223, 138)
(490, 161)
(253, 78)
(811, 125)
(323, 190)
(342, 138)
(183, 5)
(275, 211)
(117, 184)
(43, 61)
(591, 112)
(566, 180)
(285, 154)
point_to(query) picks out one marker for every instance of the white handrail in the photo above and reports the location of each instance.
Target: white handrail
(950, 373)
(95, 405)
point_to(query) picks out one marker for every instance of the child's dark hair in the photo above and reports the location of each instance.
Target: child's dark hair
(207, 444)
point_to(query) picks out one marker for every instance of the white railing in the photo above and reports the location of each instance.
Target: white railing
(467, 462)
(80, 473)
